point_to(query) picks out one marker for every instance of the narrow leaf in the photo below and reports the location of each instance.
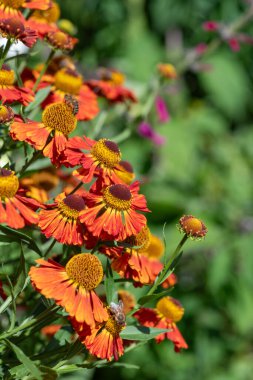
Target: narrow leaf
(28, 363)
(145, 299)
(141, 332)
(39, 98)
(15, 235)
(109, 284)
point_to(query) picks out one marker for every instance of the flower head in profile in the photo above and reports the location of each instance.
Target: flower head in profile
(104, 340)
(125, 172)
(9, 91)
(16, 210)
(166, 70)
(192, 227)
(50, 136)
(73, 286)
(16, 30)
(10, 8)
(61, 219)
(109, 84)
(97, 158)
(60, 40)
(6, 114)
(167, 313)
(113, 210)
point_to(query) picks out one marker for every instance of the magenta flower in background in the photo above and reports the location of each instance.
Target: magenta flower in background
(162, 110)
(210, 26)
(146, 130)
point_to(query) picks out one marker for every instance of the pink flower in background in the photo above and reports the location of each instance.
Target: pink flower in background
(162, 110)
(201, 48)
(146, 130)
(234, 44)
(210, 26)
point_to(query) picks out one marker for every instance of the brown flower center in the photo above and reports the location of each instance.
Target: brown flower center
(71, 206)
(9, 183)
(118, 197)
(7, 76)
(68, 81)
(86, 270)
(15, 4)
(59, 116)
(106, 152)
(170, 308)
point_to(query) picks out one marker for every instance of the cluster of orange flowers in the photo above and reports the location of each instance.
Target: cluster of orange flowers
(109, 218)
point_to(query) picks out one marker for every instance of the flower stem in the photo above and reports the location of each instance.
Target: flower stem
(5, 52)
(50, 248)
(76, 188)
(43, 70)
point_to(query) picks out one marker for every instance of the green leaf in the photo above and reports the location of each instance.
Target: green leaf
(16, 236)
(109, 284)
(141, 332)
(117, 364)
(39, 98)
(26, 361)
(22, 278)
(145, 299)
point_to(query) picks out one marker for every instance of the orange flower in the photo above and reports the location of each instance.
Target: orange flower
(192, 227)
(104, 340)
(50, 331)
(112, 210)
(125, 172)
(100, 158)
(16, 210)
(62, 219)
(109, 85)
(168, 311)
(15, 29)
(133, 263)
(10, 8)
(60, 40)
(50, 136)
(6, 114)
(11, 93)
(72, 287)
(167, 70)
(67, 81)
(44, 21)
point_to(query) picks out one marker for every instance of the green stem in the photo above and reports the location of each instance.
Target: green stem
(43, 70)
(33, 322)
(35, 156)
(50, 247)
(5, 52)
(168, 264)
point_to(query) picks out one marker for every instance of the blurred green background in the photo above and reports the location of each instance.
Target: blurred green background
(205, 169)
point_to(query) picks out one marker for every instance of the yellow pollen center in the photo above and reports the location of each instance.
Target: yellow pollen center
(9, 184)
(7, 77)
(142, 239)
(70, 84)
(15, 4)
(86, 270)
(170, 308)
(50, 15)
(59, 116)
(106, 153)
(113, 327)
(4, 112)
(117, 78)
(155, 249)
(118, 197)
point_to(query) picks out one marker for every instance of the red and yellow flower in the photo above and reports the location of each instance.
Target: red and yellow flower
(60, 40)
(9, 92)
(166, 70)
(16, 30)
(97, 158)
(109, 84)
(50, 136)
(67, 81)
(72, 286)
(10, 8)
(104, 340)
(61, 219)
(167, 313)
(16, 210)
(44, 21)
(125, 172)
(192, 227)
(112, 210)
(6, 114)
